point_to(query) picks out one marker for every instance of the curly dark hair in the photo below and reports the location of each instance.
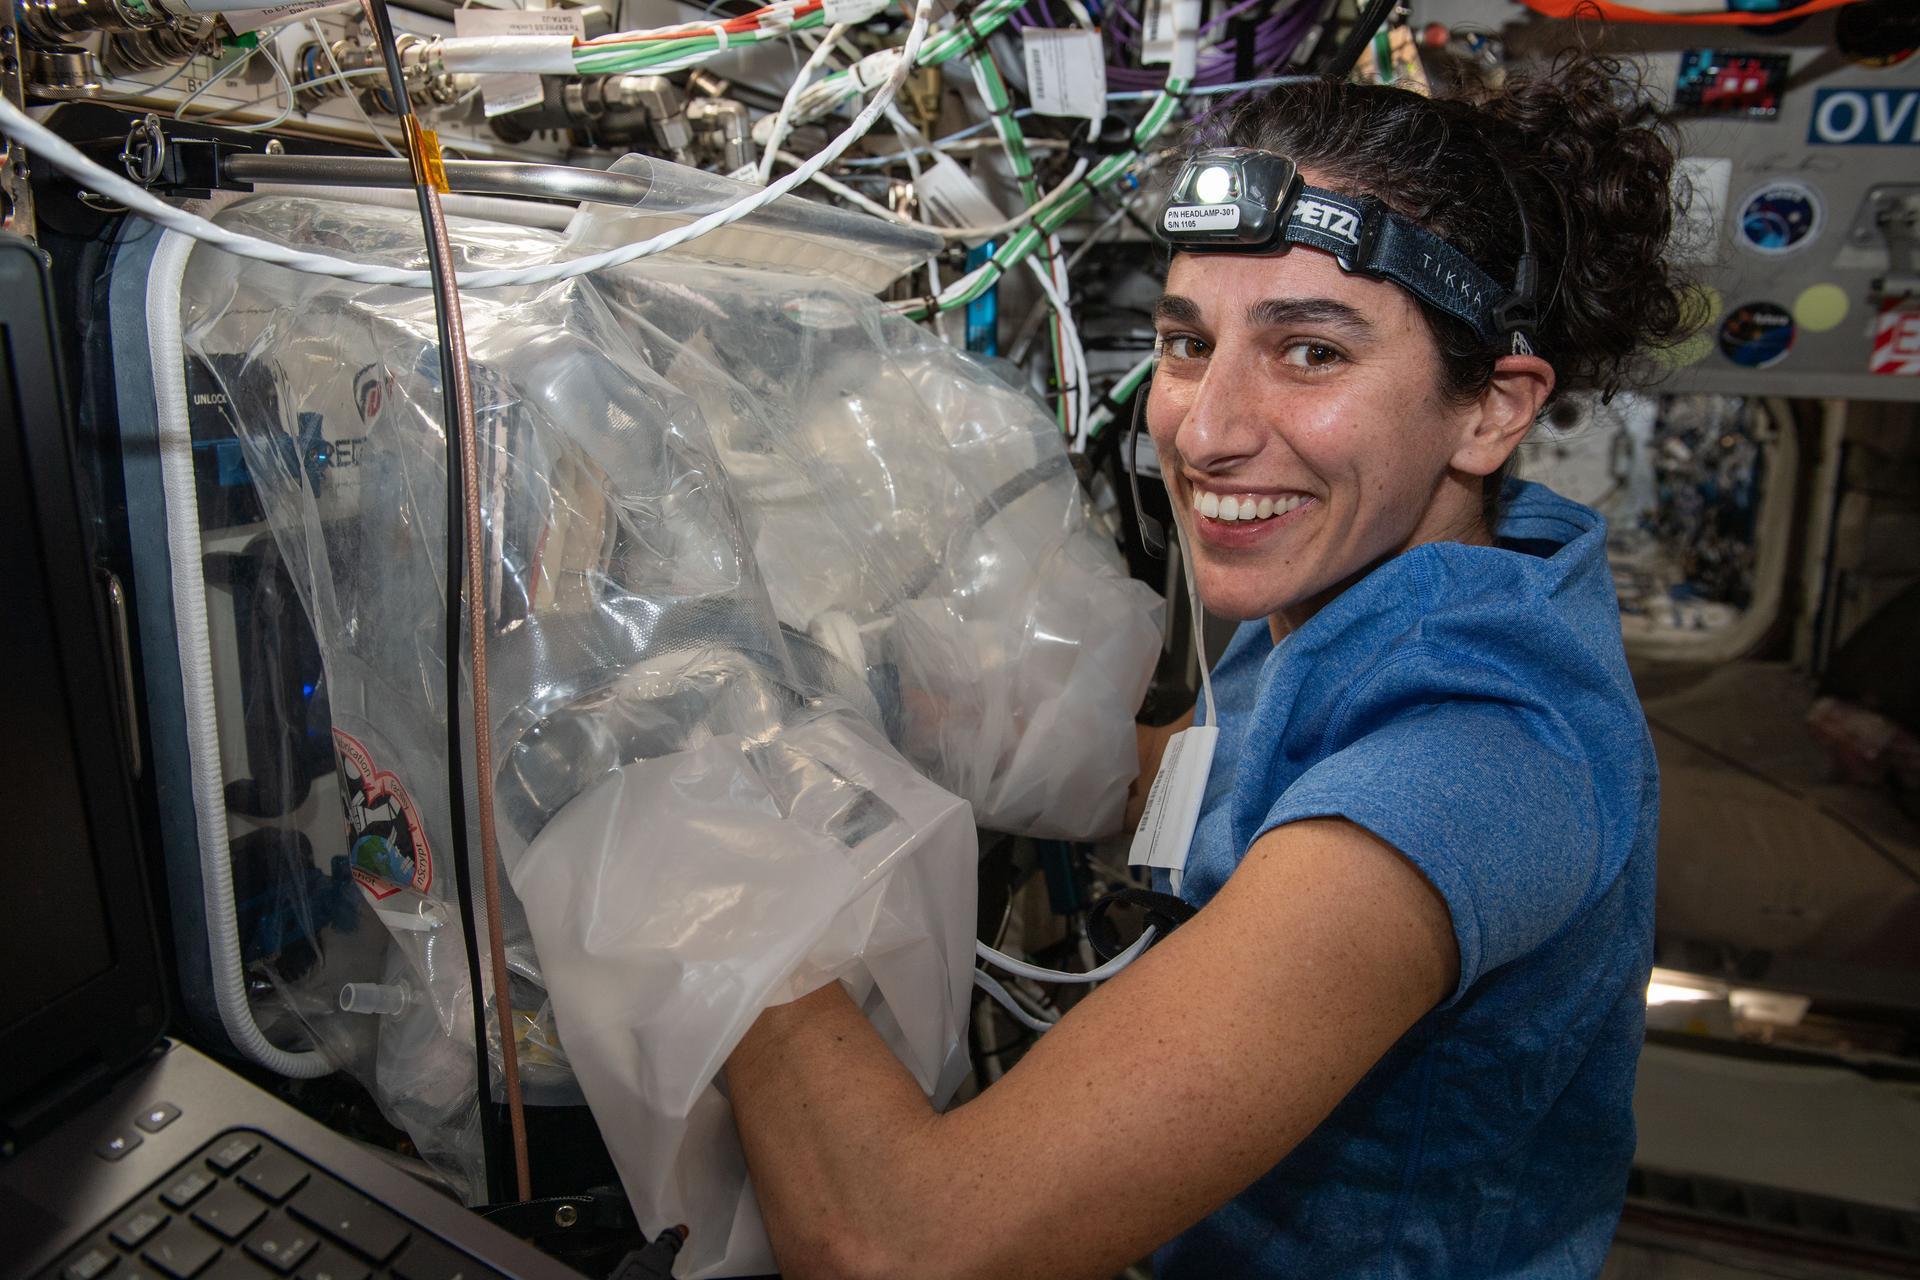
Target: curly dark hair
(1586, 154)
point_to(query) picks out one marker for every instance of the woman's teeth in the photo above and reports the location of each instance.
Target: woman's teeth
(1248, 507)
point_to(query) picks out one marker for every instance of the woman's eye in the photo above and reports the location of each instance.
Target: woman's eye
(1183, 347)
(1311, 355)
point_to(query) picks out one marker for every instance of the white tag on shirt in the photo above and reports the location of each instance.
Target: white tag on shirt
(510, 91)
(952, 198)
(1173, 804)
(1066, 71)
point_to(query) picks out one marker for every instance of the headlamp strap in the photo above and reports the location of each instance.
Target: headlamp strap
(1371, 239)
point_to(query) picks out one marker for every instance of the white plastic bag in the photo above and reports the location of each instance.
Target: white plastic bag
(681, 895)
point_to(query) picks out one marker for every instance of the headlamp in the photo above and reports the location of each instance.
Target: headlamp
(1242, 200)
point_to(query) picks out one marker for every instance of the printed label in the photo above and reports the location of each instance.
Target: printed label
(1164, 19)
(1337, 220)
(1066, 72)
(387, 845)
(1865, 117)
(1200, 217)
(511, 91)
(241, 21)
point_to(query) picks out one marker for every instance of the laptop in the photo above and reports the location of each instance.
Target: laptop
(126, 1155)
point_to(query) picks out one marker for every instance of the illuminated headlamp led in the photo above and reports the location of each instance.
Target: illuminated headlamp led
(1213, 184)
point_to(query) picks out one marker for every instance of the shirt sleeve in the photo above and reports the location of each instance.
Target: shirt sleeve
(1488, 797)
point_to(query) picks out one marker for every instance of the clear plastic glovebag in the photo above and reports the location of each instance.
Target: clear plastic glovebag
(750, 541)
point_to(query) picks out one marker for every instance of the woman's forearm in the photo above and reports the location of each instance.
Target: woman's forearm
(837, 1135)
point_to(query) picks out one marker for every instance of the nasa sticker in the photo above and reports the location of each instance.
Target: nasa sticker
(387, 845)
(1780, 217)
(1756, 335)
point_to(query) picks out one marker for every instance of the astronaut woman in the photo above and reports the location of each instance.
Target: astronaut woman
(1399, 1036)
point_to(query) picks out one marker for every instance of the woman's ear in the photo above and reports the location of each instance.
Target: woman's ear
(1499, 420)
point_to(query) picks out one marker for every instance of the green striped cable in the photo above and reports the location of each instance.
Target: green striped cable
(613, 59)
(1034, 234)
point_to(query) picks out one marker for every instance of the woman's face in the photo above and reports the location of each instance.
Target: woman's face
(1307, 399)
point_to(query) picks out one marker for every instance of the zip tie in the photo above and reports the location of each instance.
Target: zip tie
(720, 37)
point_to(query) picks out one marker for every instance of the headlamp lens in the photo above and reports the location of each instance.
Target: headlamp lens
(1213, 184)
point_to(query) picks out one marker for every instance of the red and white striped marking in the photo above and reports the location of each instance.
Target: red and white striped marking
(1896, 339)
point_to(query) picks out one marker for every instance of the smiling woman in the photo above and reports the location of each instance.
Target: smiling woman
(1398, 1037)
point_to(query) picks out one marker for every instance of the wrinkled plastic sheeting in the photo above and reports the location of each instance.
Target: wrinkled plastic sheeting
(728, 512)
(855, 864)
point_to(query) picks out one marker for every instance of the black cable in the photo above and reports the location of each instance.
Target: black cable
(492, 1140)
(1365, 27)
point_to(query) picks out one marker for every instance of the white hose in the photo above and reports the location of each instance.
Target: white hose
(777, 131)
(1021, 969)
(184, 550)
(1004, 998)
(35, 136)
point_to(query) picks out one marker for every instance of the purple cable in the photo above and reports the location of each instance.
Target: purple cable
(1273, 39)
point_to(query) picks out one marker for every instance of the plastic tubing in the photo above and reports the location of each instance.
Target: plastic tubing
(1004, 998)
(35, 136)
(184, 552)
(1021, 969)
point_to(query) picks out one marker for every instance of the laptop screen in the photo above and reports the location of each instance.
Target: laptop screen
(84, 994)
(52, 915)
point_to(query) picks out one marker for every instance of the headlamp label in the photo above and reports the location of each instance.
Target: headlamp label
(1200, 217)
(1338, 220)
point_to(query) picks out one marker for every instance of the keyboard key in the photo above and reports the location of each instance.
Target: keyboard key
(429, 1259)
(130, 1233)
(283, 1244)
(180, 1251)
(274, 1175)
(233, 1154)
(158, 1117)
(89, 1264)
(329, 1263)
(234, 1265)
(349, 1218)
(187, 1188)
(118, 1145)
(136, 1270)
(229, 1212)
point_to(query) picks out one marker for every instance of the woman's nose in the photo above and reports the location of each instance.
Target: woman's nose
(1218, 422)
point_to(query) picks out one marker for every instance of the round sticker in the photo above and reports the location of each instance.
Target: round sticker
(1821, 307)
(1757, 335)
(1699, 304)
(1780, 217)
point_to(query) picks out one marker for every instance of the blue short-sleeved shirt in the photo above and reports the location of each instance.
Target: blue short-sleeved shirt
(1470, 706)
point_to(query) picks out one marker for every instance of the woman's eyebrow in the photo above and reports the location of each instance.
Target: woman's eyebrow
(1275, 313)
(1174, 309)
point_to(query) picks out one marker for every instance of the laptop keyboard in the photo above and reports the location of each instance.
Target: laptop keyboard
(244, 1207)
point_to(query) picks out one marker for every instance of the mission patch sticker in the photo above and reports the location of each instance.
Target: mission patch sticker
(1779, 217)
(1756, 335)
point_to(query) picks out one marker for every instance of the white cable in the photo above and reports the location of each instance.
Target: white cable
(326, 51)
(286, 84)
(991, 985)
(184, 551)
(995, 230)
(1073, 357)
(778, 132)
(1021, 969)
(65, 156)
(853, 197)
